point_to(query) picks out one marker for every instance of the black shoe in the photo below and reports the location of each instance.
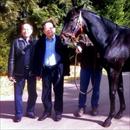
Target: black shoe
(30, 115)
(44, 116)
(57, 117)
(94, 112)
(17, 119)
(79, 112)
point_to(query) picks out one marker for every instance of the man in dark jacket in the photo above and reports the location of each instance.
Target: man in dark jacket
(20, 68)
(91, 69)
(51, 56)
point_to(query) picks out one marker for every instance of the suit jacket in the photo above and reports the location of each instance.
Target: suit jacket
(40, 53)
(16, 61)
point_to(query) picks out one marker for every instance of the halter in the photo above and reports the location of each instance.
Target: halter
(79, 22)
(79, 25)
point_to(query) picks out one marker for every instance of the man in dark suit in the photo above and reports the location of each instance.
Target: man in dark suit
(20, 69)
(51, 56)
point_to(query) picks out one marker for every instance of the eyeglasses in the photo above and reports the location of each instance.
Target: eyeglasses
(48, 28)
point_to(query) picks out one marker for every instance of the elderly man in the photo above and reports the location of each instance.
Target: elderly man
(51, 57)
(20, 69)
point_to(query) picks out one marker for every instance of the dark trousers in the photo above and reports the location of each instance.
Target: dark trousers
(18, 92)
(87, 74)
(52, 76)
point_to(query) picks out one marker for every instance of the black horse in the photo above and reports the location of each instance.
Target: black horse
(113, 44)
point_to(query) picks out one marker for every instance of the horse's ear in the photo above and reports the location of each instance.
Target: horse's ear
(74, 3)
(80, 7)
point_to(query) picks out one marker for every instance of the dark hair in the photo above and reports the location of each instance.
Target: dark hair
(48, 21)
(20, 25)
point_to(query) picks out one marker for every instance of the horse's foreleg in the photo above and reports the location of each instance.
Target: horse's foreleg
(121, 98)
(107, 122)
(113, 77)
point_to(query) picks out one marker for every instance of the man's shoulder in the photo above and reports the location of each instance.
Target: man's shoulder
(58, 39)
(17, 40)
(41, 38)
(57, 36)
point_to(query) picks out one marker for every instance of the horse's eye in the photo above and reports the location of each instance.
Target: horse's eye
(71, 20)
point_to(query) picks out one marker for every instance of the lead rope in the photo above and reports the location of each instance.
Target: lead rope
(75, 79)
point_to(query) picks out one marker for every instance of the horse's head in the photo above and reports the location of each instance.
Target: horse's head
(73, 26)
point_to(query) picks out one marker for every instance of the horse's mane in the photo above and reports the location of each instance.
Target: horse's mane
(108, 23)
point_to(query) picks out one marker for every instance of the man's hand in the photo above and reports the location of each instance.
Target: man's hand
(78, 50)
(38, 78)
(12, 79)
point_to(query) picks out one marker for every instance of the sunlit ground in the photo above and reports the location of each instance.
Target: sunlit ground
(87, 122)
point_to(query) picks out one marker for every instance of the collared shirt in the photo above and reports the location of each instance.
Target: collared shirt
(51, 57)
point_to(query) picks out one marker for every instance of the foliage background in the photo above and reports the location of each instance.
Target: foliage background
(14, 12)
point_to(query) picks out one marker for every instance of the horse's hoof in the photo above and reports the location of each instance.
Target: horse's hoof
(106, 123)
(118, 115)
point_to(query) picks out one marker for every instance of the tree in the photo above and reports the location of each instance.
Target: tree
(116, 10)
(127, 13)
(14, 12)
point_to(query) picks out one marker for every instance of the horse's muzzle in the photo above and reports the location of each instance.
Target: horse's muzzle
(68, 37)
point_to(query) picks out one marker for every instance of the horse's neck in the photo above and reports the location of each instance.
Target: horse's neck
(98, 29)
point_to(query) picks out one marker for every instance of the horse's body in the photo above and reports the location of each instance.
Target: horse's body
(113, 44)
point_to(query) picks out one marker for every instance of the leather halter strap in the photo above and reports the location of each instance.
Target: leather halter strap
(79, 25)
